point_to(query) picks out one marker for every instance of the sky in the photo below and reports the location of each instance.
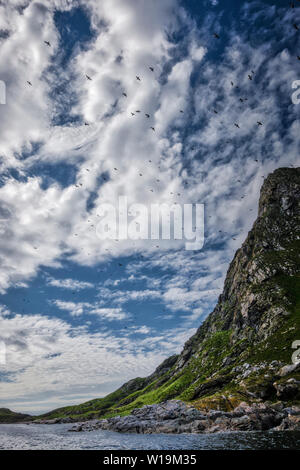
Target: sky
(81, 315)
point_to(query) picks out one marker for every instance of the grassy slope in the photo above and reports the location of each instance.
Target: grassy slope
(8, 416)
(224, 394)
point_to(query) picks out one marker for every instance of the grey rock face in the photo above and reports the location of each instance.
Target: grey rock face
(175, 417)
(289, 369)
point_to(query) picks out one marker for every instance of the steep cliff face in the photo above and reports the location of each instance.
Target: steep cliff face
(238, 353)
(260, 289)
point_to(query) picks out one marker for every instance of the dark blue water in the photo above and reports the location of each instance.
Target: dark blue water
(36, 436)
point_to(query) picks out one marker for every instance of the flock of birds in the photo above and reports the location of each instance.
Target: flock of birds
(251, 76)
(242, 99)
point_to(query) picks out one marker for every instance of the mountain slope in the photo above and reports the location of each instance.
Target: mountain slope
(237, 353)
(8, 416)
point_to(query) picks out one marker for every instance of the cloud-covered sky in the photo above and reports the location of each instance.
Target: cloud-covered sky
(80, 315)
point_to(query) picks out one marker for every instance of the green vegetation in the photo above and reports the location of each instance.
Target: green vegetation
(8, 416)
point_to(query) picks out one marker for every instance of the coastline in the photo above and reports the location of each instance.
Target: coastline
(176, 417)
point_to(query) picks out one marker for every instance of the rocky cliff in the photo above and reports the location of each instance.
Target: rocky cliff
(242, 352)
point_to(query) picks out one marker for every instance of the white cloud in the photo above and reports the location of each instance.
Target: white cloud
(4, 312)
(47, 360)
(79, 308)
(71, 284)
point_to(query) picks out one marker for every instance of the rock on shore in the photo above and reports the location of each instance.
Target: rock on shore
(176, 417)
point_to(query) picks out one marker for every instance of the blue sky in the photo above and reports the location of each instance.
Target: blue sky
(80, 316)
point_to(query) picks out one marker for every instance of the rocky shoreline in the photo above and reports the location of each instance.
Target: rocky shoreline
(175, 417)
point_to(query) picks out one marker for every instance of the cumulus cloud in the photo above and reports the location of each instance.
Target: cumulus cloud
(71, 284)
(63, 360)
(80, 308)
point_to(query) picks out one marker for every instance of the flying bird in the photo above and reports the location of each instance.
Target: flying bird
(88, 77)
(29, 83)
(138, 78)
(47, 43)
(296, 26)
(147, 115)
(153, 128)
(216, 36)
(152, 69)
(124, 94)
(236, 125)
(259, 123)
(250, 77)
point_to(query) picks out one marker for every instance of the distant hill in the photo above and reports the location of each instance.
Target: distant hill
(8, 416)
(241, 351)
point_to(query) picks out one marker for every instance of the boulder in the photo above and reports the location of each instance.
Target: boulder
(287, 390)
(289, 369)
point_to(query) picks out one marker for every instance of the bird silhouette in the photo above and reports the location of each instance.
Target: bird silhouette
(152, 69)
(88, 77)
(47, 43)
(29, 83)
(236, 125)
(124, 94)
(296, 26)
(250, 77)
(147, 115)
(138, 78)
(259, 123)
(153, 128)
(216, 36)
